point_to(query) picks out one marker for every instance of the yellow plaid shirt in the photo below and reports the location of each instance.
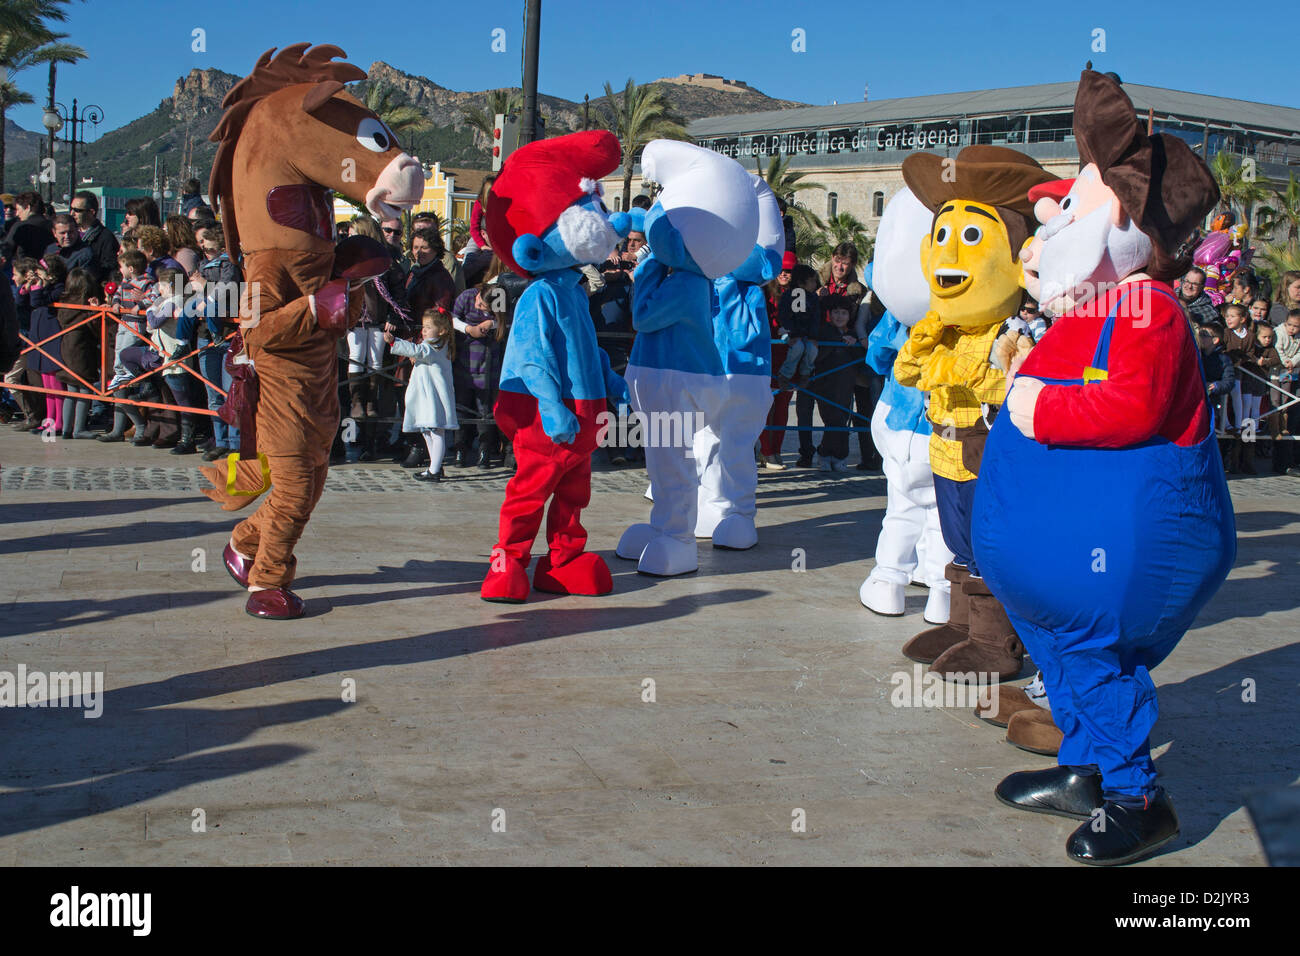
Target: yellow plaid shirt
(960, 379)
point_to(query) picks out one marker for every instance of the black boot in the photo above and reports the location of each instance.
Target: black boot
(417, 456)
(1060, 791)
(186, 445)
(1124, 834)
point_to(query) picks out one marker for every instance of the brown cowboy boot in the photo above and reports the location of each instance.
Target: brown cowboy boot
(1033, 730)
(993, 647)
(356, 389)
(925, 647)
(1008, 702)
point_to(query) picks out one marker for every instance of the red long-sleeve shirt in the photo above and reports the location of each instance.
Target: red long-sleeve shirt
(1153, 386)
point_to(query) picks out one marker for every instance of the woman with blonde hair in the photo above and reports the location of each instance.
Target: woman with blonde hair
(1288, 297)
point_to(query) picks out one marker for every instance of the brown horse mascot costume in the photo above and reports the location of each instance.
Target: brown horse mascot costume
(289, 136)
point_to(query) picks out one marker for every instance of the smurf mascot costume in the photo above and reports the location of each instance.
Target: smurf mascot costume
(545, 219)
(1108, 418)
(911, 541)
(703, 225)
(724, 447)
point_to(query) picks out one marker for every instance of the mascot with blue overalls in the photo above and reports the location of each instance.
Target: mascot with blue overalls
(724, 447)
(702, 226)
(1102, 519)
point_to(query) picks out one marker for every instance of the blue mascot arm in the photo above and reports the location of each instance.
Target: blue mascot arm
(657, 301)
(884, 342)
(540, 371)
(615, 387)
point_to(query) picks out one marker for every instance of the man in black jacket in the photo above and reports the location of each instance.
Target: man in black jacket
(103, 244)
(33, 234)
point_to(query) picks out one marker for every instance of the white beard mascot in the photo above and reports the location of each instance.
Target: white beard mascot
(911, 541)
(1105, 572)
(703, 225)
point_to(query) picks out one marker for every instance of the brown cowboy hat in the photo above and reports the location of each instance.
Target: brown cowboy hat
(1165, 187)
(993, 175)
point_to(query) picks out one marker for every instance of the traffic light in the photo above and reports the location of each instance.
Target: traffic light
(505, 138)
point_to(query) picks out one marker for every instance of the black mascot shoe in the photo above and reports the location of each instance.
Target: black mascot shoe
(1058, 791)
(1125, 835)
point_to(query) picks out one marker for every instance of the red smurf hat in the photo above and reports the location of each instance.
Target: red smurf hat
(542, 179)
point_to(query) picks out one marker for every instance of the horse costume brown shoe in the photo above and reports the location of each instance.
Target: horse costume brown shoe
(290, 135)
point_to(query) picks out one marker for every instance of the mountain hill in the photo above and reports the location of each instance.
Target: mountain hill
(126, 156)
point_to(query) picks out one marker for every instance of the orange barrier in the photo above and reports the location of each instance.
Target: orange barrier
(100, 392)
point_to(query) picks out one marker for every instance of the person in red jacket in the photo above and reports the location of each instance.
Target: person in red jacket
(1107, 419)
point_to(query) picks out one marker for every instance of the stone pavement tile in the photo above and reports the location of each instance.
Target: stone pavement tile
(431, 782)
(633, 766)
(197, 850)
(291, 817)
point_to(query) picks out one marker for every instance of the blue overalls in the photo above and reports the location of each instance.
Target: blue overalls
(1103, 582)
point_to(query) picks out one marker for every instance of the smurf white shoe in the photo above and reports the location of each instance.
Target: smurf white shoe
(735, 533)
(666, 557)
(882, 597)
(937, 605)
(634, 541)
(706, 521)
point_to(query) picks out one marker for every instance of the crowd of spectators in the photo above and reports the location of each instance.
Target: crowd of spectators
(168, 359)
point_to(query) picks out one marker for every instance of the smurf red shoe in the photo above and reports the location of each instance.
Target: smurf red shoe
(506, 582)
(586, 574)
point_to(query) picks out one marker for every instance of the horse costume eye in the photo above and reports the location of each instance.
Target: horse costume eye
(375, 136)
(971, 235)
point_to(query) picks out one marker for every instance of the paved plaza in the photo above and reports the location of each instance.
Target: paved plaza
(740, 715)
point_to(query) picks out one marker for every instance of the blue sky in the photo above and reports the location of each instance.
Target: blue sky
(138, 48)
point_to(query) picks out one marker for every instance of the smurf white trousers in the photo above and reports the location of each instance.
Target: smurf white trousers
(676, 405)
(910, 537)
(724, 453)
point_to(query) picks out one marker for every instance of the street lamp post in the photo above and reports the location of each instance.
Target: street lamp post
(56, 116)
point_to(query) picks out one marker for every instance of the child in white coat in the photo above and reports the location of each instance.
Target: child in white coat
(430, 393)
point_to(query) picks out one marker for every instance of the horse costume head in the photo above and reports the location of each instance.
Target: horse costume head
(289, 135)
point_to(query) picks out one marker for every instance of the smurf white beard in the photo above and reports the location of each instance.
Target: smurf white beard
(587, 234)
(1078, 261)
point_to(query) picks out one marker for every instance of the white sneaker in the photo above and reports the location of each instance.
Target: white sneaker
(838, 465)
(824, 464)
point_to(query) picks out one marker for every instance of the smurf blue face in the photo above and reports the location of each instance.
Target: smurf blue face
(666, 241)
(585, 233)
(762, 265)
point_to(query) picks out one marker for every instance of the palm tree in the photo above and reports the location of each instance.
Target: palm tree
(399, 116)
(845, 227)
(1283, 215)
(483, 121)
(28, 45)
(640, 114)
(1235, 187)
(812, 242)
(786, 183)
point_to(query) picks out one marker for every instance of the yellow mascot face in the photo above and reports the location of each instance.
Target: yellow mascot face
(974, 279)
